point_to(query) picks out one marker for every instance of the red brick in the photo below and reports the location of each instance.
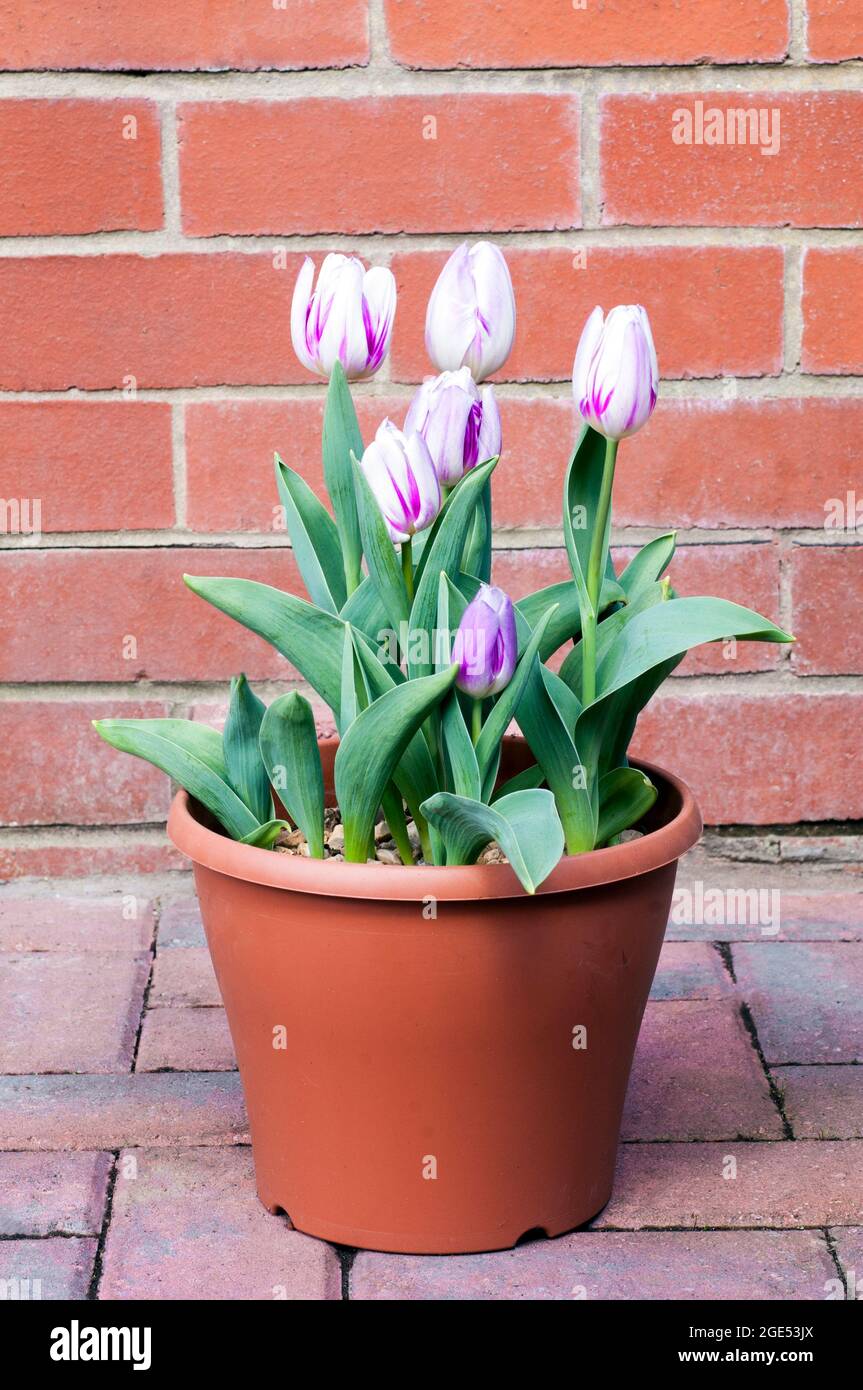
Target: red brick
(175, 320)
(806, 998)
(690, 970)
(184, 977)
(97, 787)
(40, 1032)
(746, 574)
(818, 575)
(696, 1076)
(832, 310)
(187, 35)
(544, 33)
(85, 603)
(822, 1102)
(55, 1270)
(834, 30)
(773, 462)
(257, 167)
(71, 167)
(189, 1225)
(186, 1040)
(180, 924)
(622, 1265)
(65, 452)
(777, 1184)
(730, 185)
(53, 1194)
(726, 745)
(817, 916)
(58, 921)
(132, 852)
(715, 311)
(107, 1112)
(849, 1248)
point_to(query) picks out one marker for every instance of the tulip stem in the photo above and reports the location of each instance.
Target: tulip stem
(595, 566)
(476, 721)
(408, 569)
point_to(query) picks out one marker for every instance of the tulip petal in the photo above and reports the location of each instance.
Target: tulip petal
(300, 306)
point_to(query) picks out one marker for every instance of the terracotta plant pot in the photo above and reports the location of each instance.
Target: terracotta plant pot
(434, 1061)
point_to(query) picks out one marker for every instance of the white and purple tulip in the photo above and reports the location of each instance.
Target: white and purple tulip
(486, 644)
(615, 378)
(470, 320)
(459, 422)
(400, 473)
(347, 317)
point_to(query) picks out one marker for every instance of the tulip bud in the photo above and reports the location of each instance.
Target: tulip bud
(486, 644)
(459, 423)
(615, 378)
(400, 473)
(470, 321)
(348, 318)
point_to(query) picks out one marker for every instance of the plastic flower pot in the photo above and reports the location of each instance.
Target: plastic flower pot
(434, 1061)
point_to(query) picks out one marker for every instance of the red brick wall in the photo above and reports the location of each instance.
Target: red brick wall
(162, 170)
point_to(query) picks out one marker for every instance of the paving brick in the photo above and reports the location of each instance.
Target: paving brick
(834, 30)
(184, 977)
(696, 1076)
(53, 1194)
(97, 787)
(185, 34)
(72, 166)
(818, 574)
(186, 1039)
(715, 311)
(631, 1265)
(107, 1112)
(122, 922)
(90, 603)
(60, 452)
(61, 1013)
(783, 175)
(806, 998)
(832, 317)
(823, 1102)
(55, 1269)
(180, 924)
(744, 900)
(283, 166)
(690, 970)
(189, 1225)
(780, 1184)
(849, 1248)
(542, 33)
(724, 745)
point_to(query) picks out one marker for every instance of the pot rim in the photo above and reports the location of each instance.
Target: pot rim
(413, 883)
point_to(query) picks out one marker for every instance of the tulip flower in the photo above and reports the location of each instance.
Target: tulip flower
(486, 646)
(459, 423)
(347, 318)
(400, 473)
(615, 377)
(470, 321)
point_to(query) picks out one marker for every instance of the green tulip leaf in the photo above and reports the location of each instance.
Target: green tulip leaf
(370, 752)
(384, 568)
(310, 638)
(525, 824)
(625, 795)
(265, 836)
(289, 749)
(189, 753)
(246, 773)
(549, 732)
(648, 565)
(314, 540)
(341, 438)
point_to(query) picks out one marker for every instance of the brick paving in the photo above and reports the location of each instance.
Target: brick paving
(125, 1167)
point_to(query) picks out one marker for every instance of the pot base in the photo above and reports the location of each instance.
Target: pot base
(398, 1243)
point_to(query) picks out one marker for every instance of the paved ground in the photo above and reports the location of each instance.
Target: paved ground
(125, 1170)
